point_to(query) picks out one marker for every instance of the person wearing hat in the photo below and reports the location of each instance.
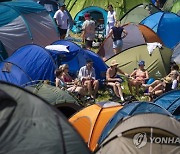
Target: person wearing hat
(61, 18)
(88, 31)
(138, 77)
(88, 78)
(115, 81)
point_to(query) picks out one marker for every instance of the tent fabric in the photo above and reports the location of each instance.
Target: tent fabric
(150, 124)
(176, 8)
(27, 21)
(121, 7)
(157, 64)
(30, 125)
(34, 61)
(130, 110)
(3, 53)
(77, 57)
(176, 54)
(138, 13)
(171, 102)
(165, 24)
(143, 33)
(91, 120)
(66, 102)
(168, 5)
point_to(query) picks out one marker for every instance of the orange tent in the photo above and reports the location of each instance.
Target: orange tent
(90, 121)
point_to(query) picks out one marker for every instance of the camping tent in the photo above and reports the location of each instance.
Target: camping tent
(168, 5)
(143, 133)
(30, 125)
(66, 102)
(3, 53)
(91, 120)
(120, 6)
(176, 8)
(130, 110)
(25, 22)
(76, 58)
(138, 13)
(143, 33)
(157, 63)
(99, 15)
(171, 102)
(28, 63)
(176, 54)
(166, 25)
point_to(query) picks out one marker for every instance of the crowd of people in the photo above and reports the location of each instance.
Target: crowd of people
(86, 82)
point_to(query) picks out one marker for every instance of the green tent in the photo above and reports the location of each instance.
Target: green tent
(67, 103)
(138, 13)
(176, 8)
(168, 5)
(30, 125)
(157, 63)
(120, 6)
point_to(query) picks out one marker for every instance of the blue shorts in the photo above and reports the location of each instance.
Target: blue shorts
(117, 44)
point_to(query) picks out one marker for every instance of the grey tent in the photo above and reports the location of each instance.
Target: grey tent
(142, 134)
(29, 125)
(176, 54)
(66, 102)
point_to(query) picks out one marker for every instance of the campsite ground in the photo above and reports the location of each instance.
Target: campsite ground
(104, 94)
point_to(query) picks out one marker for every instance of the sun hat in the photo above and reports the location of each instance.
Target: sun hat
(141, 63)
(113, 63)
(87, 15)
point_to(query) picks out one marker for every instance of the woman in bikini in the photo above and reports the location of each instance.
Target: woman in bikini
(139, 76)
(113, 80)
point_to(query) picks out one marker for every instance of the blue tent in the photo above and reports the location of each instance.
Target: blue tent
(171, 102)
(77, 57)
(130, 110)
(99, 15)
(30, 62)
(166, 25)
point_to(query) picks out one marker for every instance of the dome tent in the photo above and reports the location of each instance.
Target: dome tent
(157, 64)
(171, 102)
(176, 54)
(91, 120)
(25, 22)
(143, 33)
(30, 125)
(130, 110)
(143, 133)
(28, 63)
(166, 25)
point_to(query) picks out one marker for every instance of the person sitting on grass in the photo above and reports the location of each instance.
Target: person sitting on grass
(88, 78)
(138, 77)
(113, 80)
(75, 88)
(167, 83)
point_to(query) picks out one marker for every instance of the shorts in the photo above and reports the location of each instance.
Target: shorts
(88, 43)
(117, 44)
(62, 31)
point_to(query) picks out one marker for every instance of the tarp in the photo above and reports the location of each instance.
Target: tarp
(120, 6)
(130, 110)
(166, 25)
(144, 133)
(32, 61)
(138, 13)
(30, 125)
(66, 102)
(171, 102)
(91, 120)
(157, 63)
(77, 57)
(25, 22)
(143, 33)
(99, 15)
